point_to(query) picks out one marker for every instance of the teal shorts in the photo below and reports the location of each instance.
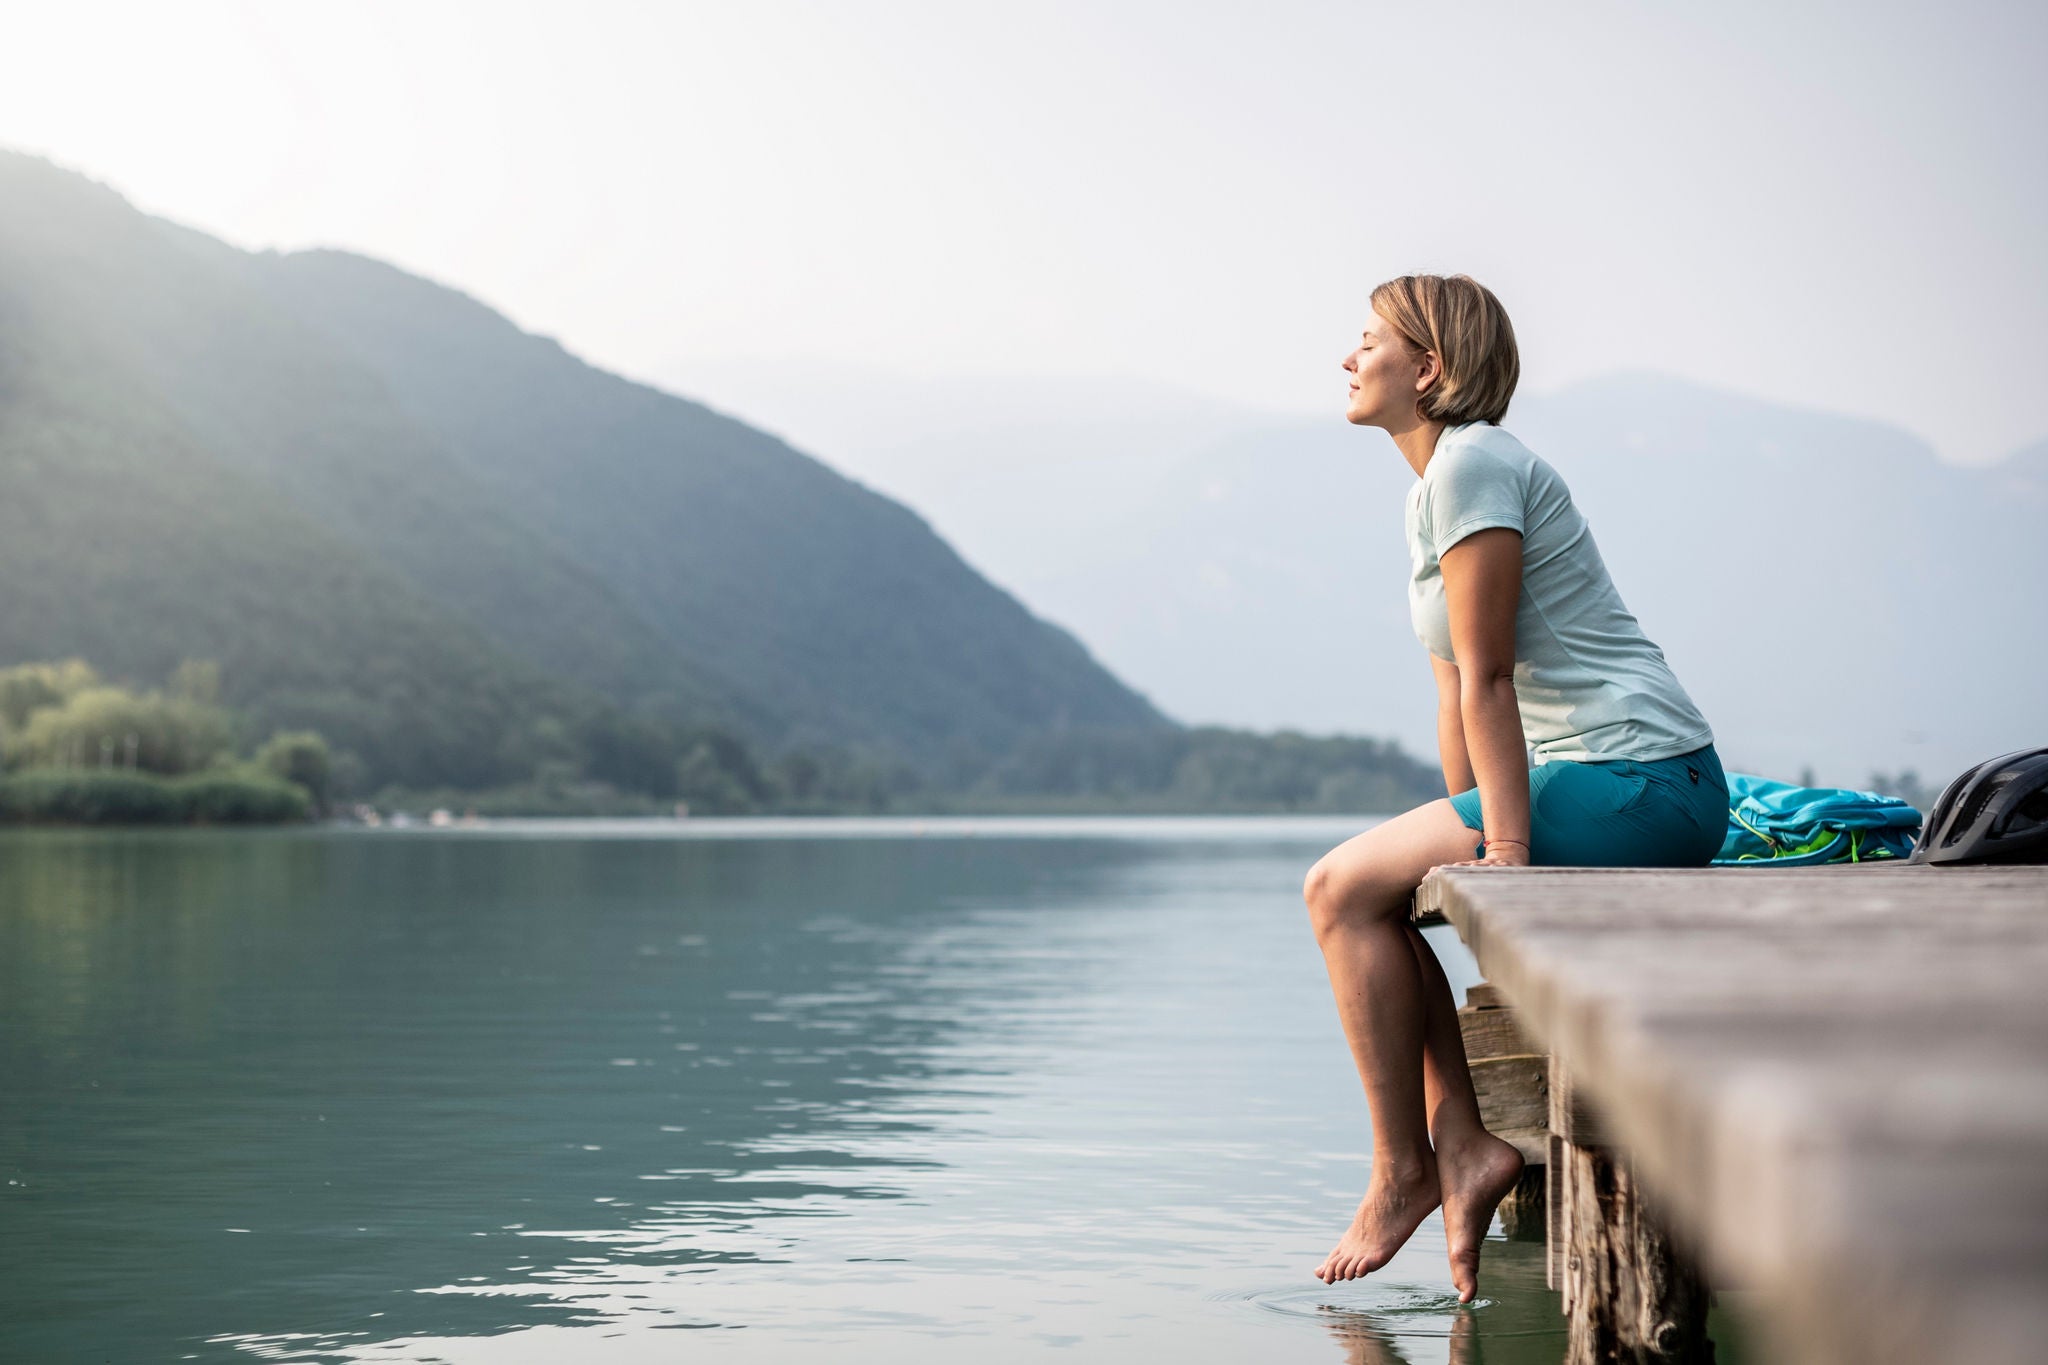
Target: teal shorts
(1620, 813)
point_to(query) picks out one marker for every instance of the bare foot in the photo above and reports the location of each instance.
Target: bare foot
(1394, 1206)
(1476, 1175)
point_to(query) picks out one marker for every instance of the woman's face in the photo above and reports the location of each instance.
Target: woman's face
(1386, 377)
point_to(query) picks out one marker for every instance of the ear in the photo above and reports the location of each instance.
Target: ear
(1431, 371)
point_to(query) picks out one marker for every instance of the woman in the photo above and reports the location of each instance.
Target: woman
(1531, 646)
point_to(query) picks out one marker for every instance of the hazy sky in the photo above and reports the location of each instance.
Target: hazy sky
(1842, 204)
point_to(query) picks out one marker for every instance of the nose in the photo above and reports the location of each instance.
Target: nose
(1350, 362)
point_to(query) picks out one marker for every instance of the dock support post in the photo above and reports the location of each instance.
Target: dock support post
(1631, 1296)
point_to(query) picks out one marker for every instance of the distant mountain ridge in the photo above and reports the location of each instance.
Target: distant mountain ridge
(1831, 592)
(369, 496)
(394, 517)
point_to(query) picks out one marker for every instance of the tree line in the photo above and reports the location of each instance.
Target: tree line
(76, 746)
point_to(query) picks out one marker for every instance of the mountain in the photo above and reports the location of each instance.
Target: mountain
(378, 503)
(986, 451)
(2024, 474)
(1830, 592)
(125, 539)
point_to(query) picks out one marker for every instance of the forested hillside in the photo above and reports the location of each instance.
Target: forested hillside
(467, 558)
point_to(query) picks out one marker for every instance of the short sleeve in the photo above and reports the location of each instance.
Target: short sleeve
(1472, 489)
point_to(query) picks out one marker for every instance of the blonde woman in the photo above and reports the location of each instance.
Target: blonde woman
(1536, 659)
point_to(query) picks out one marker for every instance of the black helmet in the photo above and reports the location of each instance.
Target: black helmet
(1995, 812)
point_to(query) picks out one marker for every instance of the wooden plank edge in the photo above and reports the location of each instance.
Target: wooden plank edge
(1815, 1290)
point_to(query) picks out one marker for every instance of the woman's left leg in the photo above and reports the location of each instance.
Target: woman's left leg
(1475, 1170)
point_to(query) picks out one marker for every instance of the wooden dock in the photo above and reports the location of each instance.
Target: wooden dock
(1825, 1087)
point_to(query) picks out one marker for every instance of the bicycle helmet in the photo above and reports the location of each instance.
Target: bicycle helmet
(1996, 812)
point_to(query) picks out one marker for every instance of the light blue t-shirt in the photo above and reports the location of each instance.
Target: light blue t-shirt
(1590, 684)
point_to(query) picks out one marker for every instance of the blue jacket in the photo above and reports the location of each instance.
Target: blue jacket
(1780, 825)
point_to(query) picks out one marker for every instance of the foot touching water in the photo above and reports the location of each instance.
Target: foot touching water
(1474, 1176)
(1394, 1206)
(1470, 1179)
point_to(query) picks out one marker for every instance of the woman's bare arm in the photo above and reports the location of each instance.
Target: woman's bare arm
(1450, 728)
(1482, 590)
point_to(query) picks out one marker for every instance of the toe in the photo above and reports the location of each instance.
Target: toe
(1466, 1277)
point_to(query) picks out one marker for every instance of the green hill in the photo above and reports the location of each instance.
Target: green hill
(783, 578)
(394, 518)
(125, 541)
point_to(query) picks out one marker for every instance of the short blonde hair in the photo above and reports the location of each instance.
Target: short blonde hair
(1458, 318)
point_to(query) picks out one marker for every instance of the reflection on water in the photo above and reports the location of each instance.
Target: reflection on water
(550, 1093)
(1516, 1321)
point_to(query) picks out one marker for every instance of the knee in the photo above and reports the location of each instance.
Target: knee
(1340, 897)
(1315, 893)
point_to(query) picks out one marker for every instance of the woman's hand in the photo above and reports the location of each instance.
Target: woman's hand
(1498, 855)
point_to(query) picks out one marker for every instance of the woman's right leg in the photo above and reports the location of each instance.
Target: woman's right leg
(1358, 897)
(1401, 1020)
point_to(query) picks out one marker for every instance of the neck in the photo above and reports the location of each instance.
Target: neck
(1417, 442)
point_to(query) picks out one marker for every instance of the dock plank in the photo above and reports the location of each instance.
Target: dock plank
(1835, 1079)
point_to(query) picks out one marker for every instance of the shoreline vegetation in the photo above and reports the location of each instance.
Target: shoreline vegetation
(78, 749)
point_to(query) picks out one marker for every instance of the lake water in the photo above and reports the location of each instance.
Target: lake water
(901, 1091)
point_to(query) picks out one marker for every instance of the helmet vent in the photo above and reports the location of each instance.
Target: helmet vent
(2030, 813)
(1966, 819)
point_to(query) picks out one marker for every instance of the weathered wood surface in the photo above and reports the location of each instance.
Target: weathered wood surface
(1514, 1101)
(1834, 1080)
(1572, 1115)
(1631, 1295)
(1490, 1031)
(1484, 995)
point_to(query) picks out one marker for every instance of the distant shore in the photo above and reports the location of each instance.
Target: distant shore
(238, 795)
